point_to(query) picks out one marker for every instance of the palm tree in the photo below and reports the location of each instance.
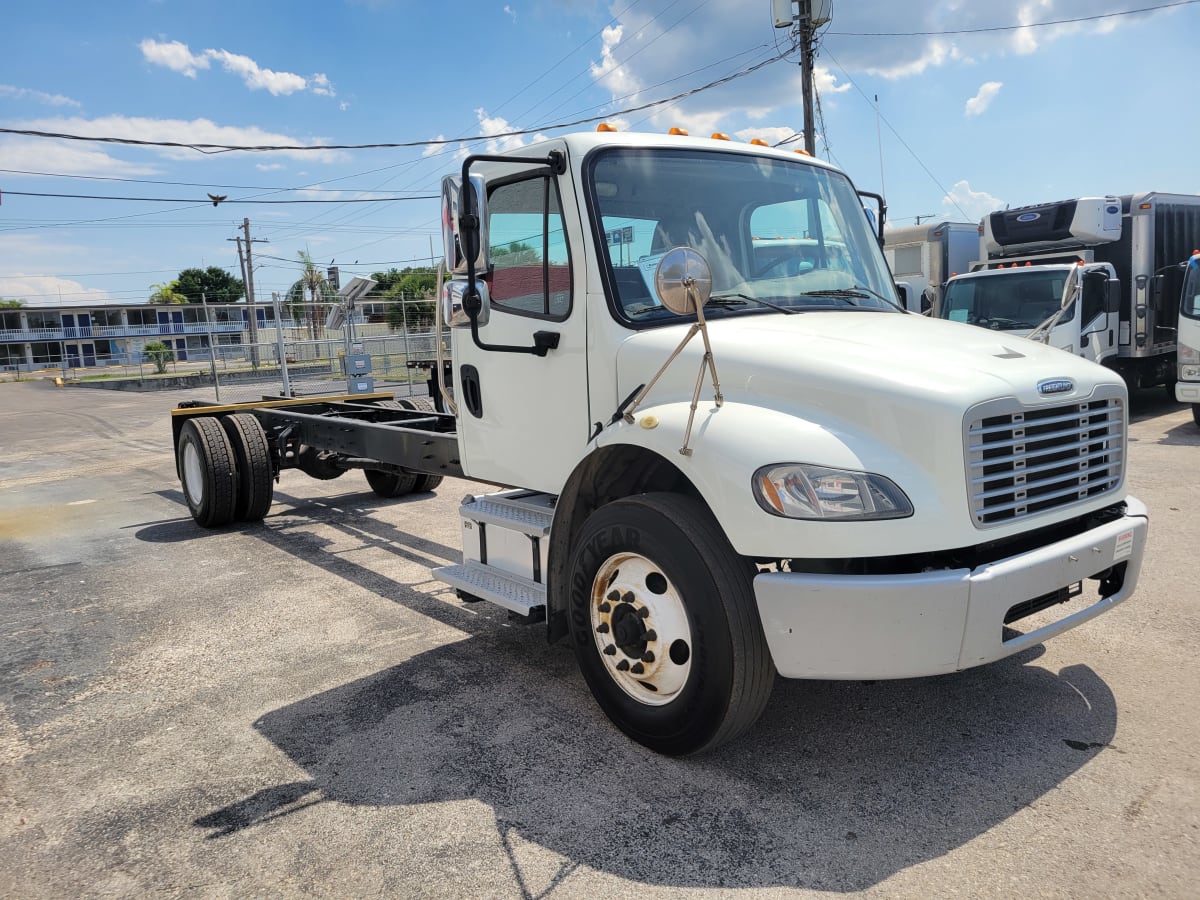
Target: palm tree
(167, 292)
(319, 293)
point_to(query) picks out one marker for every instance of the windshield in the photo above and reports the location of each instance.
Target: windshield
(778, 235)
(1018, 298)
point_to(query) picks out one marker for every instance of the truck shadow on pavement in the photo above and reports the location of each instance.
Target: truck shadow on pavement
(839, 786)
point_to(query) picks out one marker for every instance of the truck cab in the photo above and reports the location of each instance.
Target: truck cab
(1071, 306)
(1187, 388)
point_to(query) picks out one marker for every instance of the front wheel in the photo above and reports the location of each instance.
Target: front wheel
(665, 626)
(1196, 414)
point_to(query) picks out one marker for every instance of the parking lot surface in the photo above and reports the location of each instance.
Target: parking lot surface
(294, 707)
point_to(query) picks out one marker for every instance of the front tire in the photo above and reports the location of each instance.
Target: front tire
(207, 471)
(665, 625)
(1196, 414)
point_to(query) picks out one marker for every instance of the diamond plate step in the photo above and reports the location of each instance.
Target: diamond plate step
(514, 593)
(519, 511)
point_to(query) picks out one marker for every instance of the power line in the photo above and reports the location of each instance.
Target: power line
(212, 200)
(437, 142)
(932, 177)
(1112, 15)
(236, 187)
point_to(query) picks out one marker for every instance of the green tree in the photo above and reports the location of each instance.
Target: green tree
(310, 296)
(213, 284)
(166, 292)
(11, 304)
(410, 284)
(159, 354)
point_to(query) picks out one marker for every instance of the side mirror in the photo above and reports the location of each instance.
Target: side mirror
(1112, 302)
(683, 281)
(454, 310)
(466, 237)
(1095, 290)
(905, 292)
(1156, 292)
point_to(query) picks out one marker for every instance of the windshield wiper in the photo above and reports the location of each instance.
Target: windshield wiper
(725, 301)
(858, 292)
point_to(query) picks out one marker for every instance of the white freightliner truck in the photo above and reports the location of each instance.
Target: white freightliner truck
(1099, 277)
(925, 256)
(716, 465)
(1187, 388)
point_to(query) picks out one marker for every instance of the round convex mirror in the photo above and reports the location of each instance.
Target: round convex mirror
(683, 281)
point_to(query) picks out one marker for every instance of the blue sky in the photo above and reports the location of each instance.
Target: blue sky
(969, 122)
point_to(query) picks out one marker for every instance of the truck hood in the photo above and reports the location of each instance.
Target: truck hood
(852, 364)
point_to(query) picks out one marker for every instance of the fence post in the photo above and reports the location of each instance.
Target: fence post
(283, 366)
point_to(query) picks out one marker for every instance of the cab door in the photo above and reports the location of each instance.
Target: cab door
(523, 419)
(1099, 299)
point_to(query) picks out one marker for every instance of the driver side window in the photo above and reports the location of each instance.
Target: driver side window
(531, 266)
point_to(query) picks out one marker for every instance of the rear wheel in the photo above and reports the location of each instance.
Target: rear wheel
(256, 475)
(207, 471)
(665, 626)
(424, 481)
(390, 484)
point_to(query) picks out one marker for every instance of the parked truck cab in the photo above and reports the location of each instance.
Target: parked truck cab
(1187, 388)
(724, 452)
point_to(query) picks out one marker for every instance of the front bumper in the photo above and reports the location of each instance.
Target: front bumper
(930, 623)
(1187, 391)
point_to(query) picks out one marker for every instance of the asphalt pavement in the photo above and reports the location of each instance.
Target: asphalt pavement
(295, 708)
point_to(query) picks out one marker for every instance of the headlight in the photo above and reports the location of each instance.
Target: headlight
(1189, 373)
(800, 491)
(1188, 354)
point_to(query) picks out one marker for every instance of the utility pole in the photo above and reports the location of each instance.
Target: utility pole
(805, 16)
(247, 263)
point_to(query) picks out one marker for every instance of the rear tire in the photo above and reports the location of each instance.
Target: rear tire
(665, 625)
(207, 471)
(256, 475)
(390, 484)
(424, 481)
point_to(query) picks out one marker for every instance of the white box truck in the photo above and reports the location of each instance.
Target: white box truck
(925, 256)
(715, 464)
(1099, 277)
(1187, 388)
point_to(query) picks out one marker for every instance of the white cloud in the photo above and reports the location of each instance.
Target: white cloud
(17, 93)
(961, 200)
(197, 131)
(178, 57)
(512, 12)
(256, 77)
(268, 167)
(983, 98)
(175, 55)
(495, 125)
(49, 290)
(65, 158)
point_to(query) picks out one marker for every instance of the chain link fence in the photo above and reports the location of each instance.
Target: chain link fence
(294, 350)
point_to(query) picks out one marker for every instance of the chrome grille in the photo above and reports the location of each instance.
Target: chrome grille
(1022, 461)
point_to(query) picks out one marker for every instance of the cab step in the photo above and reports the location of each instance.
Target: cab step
(512, 592)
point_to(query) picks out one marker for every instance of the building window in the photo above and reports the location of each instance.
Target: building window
(103, 317)
(12, 354)
(47, 352)
(10, 321)
(143, 317)
(38, 319)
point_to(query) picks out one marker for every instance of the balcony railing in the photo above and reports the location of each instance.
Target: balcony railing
(115, 331)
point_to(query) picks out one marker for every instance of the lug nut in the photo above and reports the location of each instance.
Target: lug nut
(644, 611)
(623, 665)
(637, 668)
(650, 635)
(614, 596)
(629, 598)
(647, 657)
(610, 650)
(602, 628)
(605, 608)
